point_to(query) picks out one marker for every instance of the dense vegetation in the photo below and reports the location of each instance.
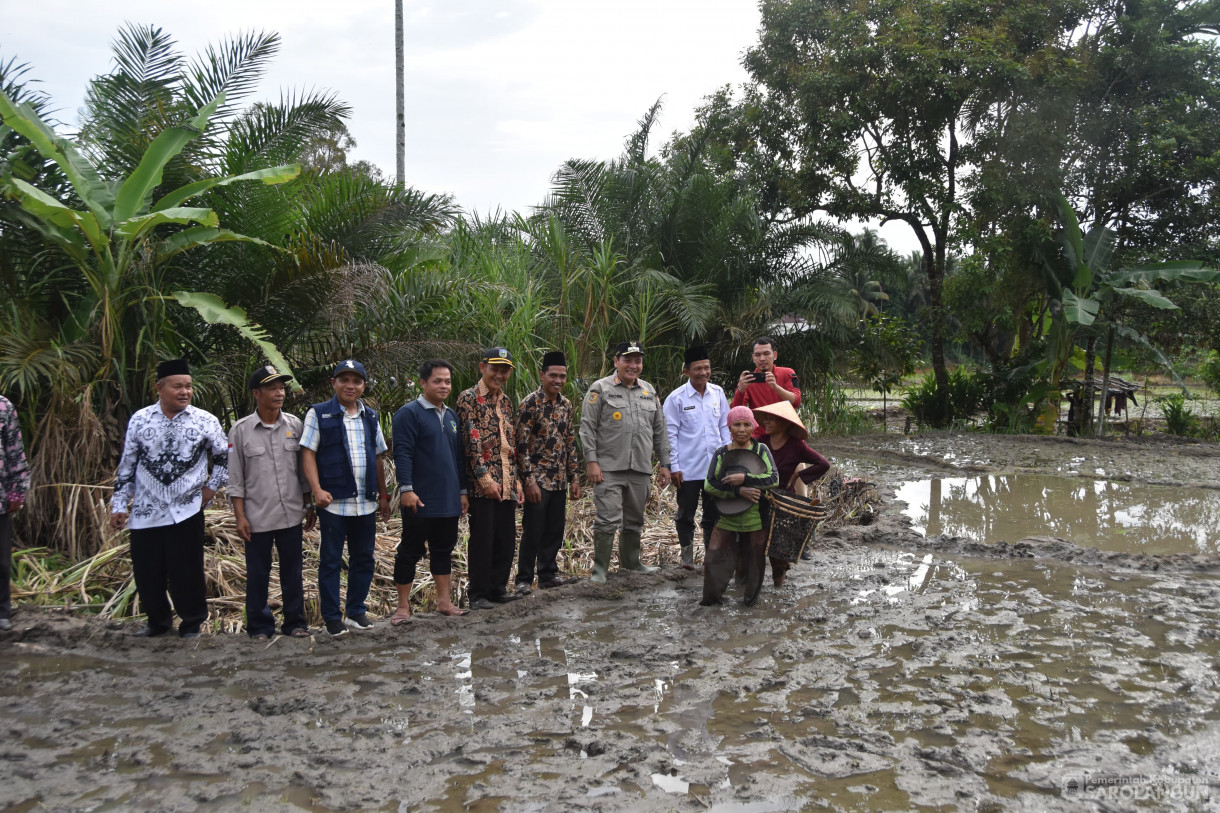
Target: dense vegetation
(1056, 161)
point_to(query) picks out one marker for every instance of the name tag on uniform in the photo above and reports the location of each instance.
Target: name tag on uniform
(692, 406)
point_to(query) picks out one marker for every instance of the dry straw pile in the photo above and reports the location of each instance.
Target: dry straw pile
(103, 583)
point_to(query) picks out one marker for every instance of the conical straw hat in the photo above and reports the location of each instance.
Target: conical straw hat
(784, 411)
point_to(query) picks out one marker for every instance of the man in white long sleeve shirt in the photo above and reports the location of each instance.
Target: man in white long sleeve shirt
(160, 491)
(696, 420)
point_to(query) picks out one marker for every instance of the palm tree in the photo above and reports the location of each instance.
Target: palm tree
(859, 261)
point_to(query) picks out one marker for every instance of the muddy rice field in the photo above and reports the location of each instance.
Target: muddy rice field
(936, 658)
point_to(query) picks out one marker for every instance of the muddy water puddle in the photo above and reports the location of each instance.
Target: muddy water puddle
(1113, 516)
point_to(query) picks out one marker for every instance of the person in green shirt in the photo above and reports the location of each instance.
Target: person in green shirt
(737, 535)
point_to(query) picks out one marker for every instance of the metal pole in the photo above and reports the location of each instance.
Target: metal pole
(399, 80)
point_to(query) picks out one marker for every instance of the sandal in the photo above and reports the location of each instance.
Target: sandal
(397, 620)
(299, 632)
(455, 611)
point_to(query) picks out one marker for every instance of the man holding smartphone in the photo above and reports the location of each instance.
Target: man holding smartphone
(767, 383)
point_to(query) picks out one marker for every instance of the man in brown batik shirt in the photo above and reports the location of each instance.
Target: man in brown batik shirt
(546, 461)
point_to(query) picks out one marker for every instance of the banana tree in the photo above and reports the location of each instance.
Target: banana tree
(120, 239)
(1089, 300)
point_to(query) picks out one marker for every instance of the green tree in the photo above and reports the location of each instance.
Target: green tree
(868, 110)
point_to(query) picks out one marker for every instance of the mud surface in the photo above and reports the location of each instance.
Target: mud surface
(893, 673)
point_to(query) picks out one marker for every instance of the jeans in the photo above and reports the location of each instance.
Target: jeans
(360, 533)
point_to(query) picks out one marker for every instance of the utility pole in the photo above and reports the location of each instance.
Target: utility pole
(401, 100)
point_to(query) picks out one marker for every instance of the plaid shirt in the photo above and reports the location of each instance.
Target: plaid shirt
(546, 441)
(353, 425)
(487, 431)
(14, 471)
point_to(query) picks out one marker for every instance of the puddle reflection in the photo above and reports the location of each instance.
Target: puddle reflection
(1113, 516)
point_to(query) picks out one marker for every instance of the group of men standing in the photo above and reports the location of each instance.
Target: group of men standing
(284, 474)
(484, 457)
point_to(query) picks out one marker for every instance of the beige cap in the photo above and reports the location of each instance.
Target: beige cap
(785, 412)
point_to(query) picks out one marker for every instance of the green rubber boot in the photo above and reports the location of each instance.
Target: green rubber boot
(629, 552)
(603, 547)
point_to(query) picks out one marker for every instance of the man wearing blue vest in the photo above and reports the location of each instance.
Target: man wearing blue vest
(431, 469)
(340, 444)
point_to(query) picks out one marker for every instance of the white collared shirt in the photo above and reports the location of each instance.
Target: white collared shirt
(697, 425)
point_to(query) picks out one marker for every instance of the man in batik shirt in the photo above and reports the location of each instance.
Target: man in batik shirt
(160, 491)
(546, 461)
(487, 421)
(14, 485)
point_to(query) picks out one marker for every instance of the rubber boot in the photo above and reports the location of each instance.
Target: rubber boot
(686, 538)
(603, 547)
(629, 552)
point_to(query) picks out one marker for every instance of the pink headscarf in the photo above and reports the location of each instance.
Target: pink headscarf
(742, 413)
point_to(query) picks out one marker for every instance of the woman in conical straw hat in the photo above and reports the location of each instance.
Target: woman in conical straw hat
(786, 439)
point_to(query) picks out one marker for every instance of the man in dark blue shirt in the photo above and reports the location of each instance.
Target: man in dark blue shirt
(431, 472)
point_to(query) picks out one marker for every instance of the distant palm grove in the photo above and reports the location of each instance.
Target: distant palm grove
(1055, 160)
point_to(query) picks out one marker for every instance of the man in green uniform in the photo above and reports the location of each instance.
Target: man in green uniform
(622, 428)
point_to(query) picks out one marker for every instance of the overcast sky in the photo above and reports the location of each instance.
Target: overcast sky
(498, 92)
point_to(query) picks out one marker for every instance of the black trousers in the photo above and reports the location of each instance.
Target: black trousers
(173, 554)
(689, 494)
(259, 619)
(493, 544)
(729, 552)
(542, 526)
(6, 565)
(435, 537)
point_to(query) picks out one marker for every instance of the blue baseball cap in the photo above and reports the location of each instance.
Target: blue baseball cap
(350, 366)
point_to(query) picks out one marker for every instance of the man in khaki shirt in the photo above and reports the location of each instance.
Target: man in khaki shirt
(622, 428)
(270, 498)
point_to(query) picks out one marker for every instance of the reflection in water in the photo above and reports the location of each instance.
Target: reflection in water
(1126, 517)
(465, 679)
(670, 784)
(574, 691)
(911, 583)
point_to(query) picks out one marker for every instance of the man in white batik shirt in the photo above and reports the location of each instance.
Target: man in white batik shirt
(160, 491)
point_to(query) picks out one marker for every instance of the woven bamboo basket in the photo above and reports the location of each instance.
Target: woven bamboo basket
(794, 519)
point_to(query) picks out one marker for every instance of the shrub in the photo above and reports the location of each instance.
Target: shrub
(966, 392)
(1179, 417)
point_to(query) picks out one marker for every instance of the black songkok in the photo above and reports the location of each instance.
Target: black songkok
(554, 358)
(694, 354)
(172, 367)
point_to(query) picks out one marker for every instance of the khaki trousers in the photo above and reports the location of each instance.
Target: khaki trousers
(619, 501)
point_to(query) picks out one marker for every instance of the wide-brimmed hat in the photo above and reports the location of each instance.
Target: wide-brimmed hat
(785, 412)
(746, 461)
